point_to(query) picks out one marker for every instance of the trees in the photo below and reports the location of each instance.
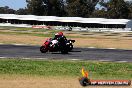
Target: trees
(80, 8)
(6, 10)
(99, 13)
(46, 7)
(55, 7)
(77, 8)
(129, 4)
(116, 9)
(36, 7)
(21, 11)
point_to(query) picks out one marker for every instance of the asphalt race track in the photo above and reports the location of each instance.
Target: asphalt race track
(23, 51)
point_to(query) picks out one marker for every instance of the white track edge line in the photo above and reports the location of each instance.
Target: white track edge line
(68, 59)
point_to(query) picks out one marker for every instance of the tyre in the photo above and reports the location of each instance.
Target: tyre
(84, 81)
(64, 51)
(43, 49)
(70, 47)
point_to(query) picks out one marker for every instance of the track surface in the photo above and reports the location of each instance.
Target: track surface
(20, 51)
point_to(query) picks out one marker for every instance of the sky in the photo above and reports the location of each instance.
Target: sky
(14, 4)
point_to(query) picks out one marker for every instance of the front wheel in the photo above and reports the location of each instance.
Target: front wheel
(43, 49)
(70, 47)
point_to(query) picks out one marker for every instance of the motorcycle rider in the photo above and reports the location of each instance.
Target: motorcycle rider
(60, 38)
(55, 39)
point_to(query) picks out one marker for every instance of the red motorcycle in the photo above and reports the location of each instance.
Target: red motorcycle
(63, 46)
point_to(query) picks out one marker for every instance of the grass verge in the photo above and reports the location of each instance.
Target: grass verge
(50, 34)
(59, 68)
(31, 36)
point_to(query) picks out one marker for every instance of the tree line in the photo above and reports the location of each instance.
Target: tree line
(74, 8)
(8, 10)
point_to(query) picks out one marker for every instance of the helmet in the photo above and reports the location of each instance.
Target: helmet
(60, 33)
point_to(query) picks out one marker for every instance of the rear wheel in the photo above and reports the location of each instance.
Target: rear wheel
(43, 49)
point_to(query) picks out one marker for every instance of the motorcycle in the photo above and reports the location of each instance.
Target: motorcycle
(63, 46)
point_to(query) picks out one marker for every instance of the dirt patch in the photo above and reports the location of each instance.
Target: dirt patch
(21, 39)
(44, 82)
(103, 43)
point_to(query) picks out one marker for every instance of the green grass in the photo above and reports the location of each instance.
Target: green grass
(30, 29)
(26, 33)
(16, 29)
(7, 27)
(49, 34)
(21, 29)
(102, 70)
